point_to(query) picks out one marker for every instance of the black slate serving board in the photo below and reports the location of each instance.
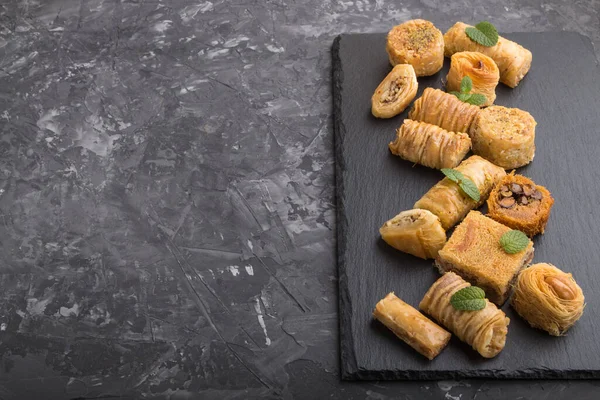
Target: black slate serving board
(562, 92)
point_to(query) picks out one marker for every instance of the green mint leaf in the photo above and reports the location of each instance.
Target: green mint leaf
(514, 241)
(453, 175)
(476, 99)
(466, 84)
(471, 298)
(483, 33)
(464, 97)
(469, 188)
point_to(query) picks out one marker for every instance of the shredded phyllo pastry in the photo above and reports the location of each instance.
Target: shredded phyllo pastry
(444, 110)
(548, 298)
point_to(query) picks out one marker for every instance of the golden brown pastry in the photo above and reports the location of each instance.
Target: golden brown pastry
(430, 145)
(395, 92)
(474, 252)
(485, 330)
(419, 43)
(505, 136)
(447, 200)
(416, 232)
(412, 327)
(444, 110)
(520, 204)
(548, 298)
(482, 70)
(512, 59)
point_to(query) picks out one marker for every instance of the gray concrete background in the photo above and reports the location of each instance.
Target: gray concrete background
(167, 219)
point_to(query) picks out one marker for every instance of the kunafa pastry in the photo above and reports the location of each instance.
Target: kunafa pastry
(474, 252)
(512, 59)
(430, 145)
(444, 110)
(449, 202)
(412, 327)
(520, 204)
(482, 70)
(505, 136)
(416, 232)
(485, 330)
(395, 92)
(419, 43)
(548, 298)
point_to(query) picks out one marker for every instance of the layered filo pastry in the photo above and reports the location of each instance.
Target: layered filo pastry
(430, 145)
(412, 327)
(395, 92)
(474, 252)
(449, 202)
(513, 60)
(482, 70)
(505, 136)
(485, 330)
(419, 43)
(444, 110)
(416, 232)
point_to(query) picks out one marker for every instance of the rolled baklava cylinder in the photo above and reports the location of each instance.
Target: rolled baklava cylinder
(430, 145)
(395, 92)
(412, 327)
(418, 43)
(416, 232)
(513, 60)
(444, 110)
(504, 136)
(548, 298)
(448, 201)
(482, 70)
(485, 330)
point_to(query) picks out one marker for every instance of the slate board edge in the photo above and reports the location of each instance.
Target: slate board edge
(348, 363)
(349, 368)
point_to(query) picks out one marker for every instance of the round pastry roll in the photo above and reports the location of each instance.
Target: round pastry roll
(548, 298)
(485, 330)
(504, 136)
(444, 110)
(395, 92)
(513, 60)
(418, 43)
(417, 232)
(482, 70)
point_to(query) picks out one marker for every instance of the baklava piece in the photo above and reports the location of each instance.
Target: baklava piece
(474, 252)
(520, 204)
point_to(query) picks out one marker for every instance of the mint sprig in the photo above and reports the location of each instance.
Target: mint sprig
(483, 33)
(471, 298)
(466, 85)
(467, 185)
(514, 241)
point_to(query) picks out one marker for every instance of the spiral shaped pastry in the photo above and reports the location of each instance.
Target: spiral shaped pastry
(482, 70)
(444, 110)
(548, 298)
(419, 43)
(513, 60)
(395, 92)
(416, 232)
(505, 136)
(485, 330)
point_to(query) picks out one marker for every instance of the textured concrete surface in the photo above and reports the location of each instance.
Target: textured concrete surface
(167, 224)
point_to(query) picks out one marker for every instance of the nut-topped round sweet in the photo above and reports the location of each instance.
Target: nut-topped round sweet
(517, 202)
(419, 43)
(504, 136)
